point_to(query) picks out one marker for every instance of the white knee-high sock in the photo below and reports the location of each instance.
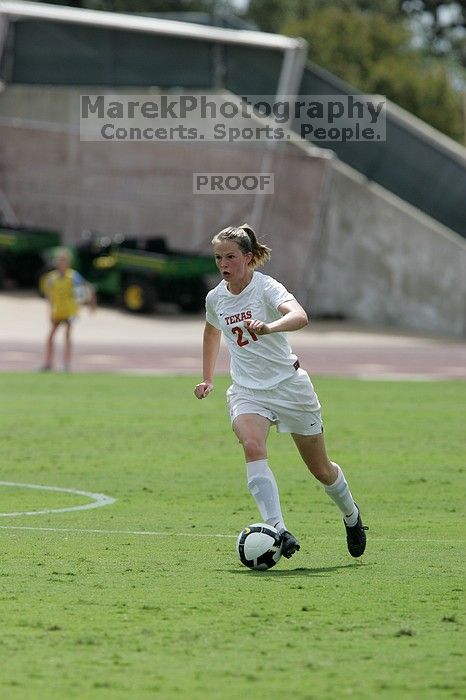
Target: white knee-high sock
(263, 488)
(339, 492)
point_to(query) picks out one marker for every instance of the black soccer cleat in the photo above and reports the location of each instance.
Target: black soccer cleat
(288, 544)
(356, 537)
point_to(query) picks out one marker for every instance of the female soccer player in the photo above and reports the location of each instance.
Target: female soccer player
(254, 312)
(61, 288)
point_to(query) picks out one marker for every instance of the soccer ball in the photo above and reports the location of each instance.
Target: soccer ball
(258, 546)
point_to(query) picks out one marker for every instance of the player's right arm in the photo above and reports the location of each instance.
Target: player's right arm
(210, 348)
(46, 286)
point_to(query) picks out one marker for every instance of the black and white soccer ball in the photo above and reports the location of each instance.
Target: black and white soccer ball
(258, 546)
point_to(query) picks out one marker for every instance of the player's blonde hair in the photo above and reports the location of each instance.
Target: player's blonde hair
(246, 239)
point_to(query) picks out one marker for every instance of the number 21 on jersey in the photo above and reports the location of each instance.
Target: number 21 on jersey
(240, 339)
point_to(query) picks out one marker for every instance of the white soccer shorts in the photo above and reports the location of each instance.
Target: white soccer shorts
(292, 405)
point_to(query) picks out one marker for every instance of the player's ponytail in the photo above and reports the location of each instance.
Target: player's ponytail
(246, 238)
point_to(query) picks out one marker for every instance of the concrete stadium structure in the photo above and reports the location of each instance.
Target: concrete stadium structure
(344, 245)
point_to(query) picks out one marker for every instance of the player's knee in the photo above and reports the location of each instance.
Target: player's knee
(253, 448)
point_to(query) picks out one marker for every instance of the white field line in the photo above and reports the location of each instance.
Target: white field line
(97, 499)
(100, 499)
(152, 533)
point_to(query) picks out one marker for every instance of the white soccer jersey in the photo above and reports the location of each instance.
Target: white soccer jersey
(257, 361)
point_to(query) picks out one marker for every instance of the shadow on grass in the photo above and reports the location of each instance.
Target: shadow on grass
(298, 572)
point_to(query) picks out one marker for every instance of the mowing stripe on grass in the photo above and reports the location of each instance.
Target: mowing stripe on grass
(152, 533)
(97, 499)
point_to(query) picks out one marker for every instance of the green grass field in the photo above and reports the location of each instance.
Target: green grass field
(91, 607)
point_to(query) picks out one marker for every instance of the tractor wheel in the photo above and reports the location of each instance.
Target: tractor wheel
(138, 295)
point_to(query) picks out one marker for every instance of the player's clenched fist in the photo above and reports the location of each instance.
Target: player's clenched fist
(203, 389)
(257, 327)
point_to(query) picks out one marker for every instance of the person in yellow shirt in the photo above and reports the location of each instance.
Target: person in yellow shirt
(64, 288)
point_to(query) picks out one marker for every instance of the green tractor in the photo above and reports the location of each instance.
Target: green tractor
(23, 252)
(139, 274)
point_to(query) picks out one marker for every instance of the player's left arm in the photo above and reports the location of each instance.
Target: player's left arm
(293, 318)
(92, 296)
(90, 293)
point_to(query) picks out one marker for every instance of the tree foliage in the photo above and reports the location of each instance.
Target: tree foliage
(370, 45)
(272, 15)
(439, 26)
